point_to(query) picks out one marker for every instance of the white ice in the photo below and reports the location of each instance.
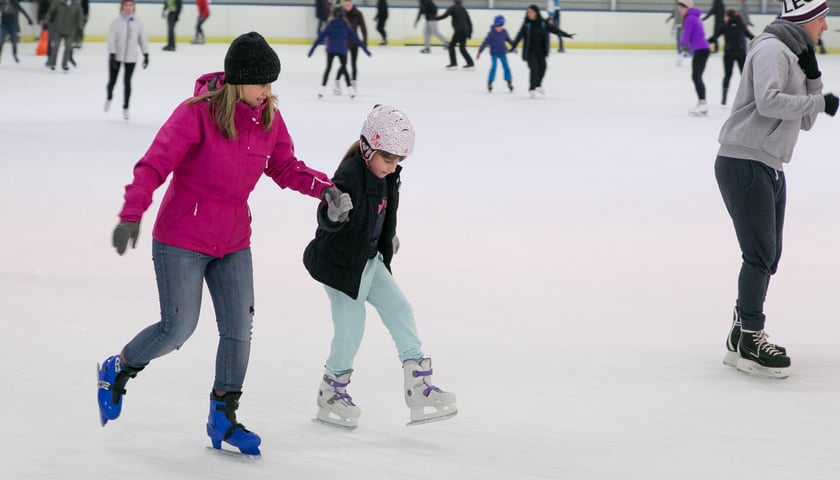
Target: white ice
(569, 259)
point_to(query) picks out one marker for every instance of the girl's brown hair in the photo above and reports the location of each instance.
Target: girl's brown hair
(223, 107)
(356, 148)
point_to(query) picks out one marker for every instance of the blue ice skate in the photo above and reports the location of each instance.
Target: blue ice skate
(222, 425)
(112, 379)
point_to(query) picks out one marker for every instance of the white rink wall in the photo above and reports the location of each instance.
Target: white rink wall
(296, 24)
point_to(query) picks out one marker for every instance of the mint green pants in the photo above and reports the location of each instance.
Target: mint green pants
(378, 288)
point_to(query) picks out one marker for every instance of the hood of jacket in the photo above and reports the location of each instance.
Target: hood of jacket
(208, 82)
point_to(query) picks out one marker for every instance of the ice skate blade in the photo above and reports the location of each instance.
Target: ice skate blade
(731, 358)
(346, 427)
(231, 453)
(752, 368)
(698, 114)
(441, 418)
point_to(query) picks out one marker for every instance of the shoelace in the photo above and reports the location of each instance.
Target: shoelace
(339, 395)
(762, 344)
(429, 388)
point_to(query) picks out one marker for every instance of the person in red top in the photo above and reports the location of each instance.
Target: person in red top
(216, 145)
(203, 12)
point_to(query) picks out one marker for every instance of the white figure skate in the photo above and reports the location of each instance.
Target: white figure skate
(427, 402)
(335, 406)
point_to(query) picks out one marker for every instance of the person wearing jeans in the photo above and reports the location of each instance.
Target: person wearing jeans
(780, 94)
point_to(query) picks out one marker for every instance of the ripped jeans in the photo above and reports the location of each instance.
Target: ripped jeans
(180, 278)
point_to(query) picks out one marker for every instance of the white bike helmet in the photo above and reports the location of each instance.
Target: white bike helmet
(387, 129)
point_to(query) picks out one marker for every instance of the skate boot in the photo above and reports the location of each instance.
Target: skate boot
(723, 100)
(335, 406)
(490, 87)
(126, 115)
(222, 425)
(759, 357)
(421, 394)
(700, 110)
(352, 89)
(734, 337)
(541, 90)
(322, 91)
(510, 85)
(113, 376)
(107, 105)
(533, 93)
(337, 88)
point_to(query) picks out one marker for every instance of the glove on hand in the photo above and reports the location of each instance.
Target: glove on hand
(808, 62)
(396, 244)
(478, 55)
(112, 61)
(145, 60)
(831, 103)
(124, 232)
(339, 204)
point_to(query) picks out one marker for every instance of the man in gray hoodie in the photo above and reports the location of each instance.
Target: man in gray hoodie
(780, 93)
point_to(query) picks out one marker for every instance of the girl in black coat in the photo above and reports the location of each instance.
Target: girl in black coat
(735, 34)
(535, 32)
(351, 255)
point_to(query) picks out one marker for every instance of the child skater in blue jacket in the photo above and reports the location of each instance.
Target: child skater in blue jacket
(336, 33)
(496, 38)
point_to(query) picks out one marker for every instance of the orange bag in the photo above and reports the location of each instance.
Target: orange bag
(41, 49)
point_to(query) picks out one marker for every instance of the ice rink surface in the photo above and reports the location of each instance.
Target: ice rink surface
(569, 260)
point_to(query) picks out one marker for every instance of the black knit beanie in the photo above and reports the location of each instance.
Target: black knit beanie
(251, 61)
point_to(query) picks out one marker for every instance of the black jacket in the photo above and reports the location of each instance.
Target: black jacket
(337, 255)
(736, 35)
(461, 22)
(535, 33)
(428, 10)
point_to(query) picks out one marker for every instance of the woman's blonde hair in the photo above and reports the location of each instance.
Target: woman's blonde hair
(223, 107)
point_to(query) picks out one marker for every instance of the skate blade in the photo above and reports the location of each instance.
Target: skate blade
(731, 358)
(235, 454)
(751, 368)
(348, 428)
(440, 418)
(698, 114)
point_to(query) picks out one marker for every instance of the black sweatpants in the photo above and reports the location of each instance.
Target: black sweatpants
(342, 69)
(112, 80)
(536, 66)
(755, 196)
(698, 66)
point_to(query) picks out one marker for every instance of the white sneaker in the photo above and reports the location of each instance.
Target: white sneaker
(125, 114)
(700, 110)
(107, 105)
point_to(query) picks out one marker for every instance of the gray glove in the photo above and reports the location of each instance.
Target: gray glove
(396, 244)
(124, 232)
(339, 204)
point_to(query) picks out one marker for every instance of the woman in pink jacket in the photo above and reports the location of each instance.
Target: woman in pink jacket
(216, 145)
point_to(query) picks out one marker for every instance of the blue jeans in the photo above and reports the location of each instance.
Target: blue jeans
(505, 68)
(380, 289)
(755, 197)
(180, 277)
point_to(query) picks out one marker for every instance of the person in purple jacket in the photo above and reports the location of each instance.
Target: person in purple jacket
(694, 40)
(496, 39)
(335, 36)
(216, 145)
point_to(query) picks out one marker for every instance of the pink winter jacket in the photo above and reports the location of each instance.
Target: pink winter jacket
(205, 208)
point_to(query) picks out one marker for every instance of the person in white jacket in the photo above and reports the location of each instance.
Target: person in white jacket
(126, 40)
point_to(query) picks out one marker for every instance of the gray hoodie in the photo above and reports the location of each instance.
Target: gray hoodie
(774, 100)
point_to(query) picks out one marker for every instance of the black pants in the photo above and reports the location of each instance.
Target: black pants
(754, 195)
(342, 69)
(729, 59)
(198, 31)
(171, 20)
(698, 66)
(536, 66)
(460, 39)
(112, 80)
(380, 27)
(354, 54)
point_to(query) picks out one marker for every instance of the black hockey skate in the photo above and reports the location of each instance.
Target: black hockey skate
(761, 358)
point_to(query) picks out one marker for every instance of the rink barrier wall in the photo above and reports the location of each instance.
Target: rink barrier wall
(296, 24)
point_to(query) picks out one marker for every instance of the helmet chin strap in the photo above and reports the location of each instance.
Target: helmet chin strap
(364, 146)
